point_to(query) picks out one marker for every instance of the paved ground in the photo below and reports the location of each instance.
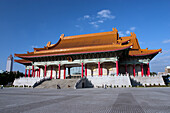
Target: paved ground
(118, 100)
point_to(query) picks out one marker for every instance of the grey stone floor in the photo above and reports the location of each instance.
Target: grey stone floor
(118, 100)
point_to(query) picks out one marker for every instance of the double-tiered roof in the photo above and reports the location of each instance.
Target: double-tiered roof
(89, 43)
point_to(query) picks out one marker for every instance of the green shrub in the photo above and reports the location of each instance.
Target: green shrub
(7, 77)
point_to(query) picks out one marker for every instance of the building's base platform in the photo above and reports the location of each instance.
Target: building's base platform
(91, 82)
(147, 81)
(110, 81)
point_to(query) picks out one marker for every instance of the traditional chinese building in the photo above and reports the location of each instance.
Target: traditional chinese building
(98, 54)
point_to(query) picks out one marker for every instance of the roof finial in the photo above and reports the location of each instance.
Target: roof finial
(115, 30)
(48, 44)
(62, 36)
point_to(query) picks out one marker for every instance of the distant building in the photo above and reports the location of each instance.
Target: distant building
(9, 64)
(167, 71)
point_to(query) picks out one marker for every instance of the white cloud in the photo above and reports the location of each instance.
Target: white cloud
(34, 46)
(100, 21)
(127, 32)
(98, 18)
(79, 27)
(105, 14)
(121, 34)
(86, 16)
(166, 41)
(132, 28)
(94, 24)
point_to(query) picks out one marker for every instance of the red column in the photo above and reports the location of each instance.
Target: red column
(117, 68)
(142, 70)
(51, 72)
(64, 72)
(45, 70)
(29, 73)
(99, 68)
(126, 69)
(39, 72)
(32, 70)
(148, 70)
(82, 70)
(86, 70)
(25, 72)
(59, 71)
(134, 70)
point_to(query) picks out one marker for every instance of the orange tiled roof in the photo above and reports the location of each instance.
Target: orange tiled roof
(143, 52)
(23, 61)
(90, 43)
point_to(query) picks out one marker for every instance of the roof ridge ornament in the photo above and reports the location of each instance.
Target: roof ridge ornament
(115, 30)
(62, 36)
(48, 44)
(133, 34)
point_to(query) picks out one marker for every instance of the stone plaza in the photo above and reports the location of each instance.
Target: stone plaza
(89, 100)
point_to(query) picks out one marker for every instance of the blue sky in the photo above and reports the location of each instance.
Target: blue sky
(25, 24)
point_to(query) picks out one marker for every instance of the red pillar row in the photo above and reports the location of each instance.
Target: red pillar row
(82, 70)
(29, 73)
(59, 71)
(25, 72)
(99, 68)
(142, 70)
(86, 70)
(117, 68)
(148, 70)
(51, 72)
(45, 70)
(134, 70)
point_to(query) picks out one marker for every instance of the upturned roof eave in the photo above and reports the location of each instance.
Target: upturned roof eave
(146, 54)
(22, 61)
(74, 53)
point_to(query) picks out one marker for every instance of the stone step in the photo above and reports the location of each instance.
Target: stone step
(56, 83)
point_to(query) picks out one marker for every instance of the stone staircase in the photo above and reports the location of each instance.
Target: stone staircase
(58, 83)
(112, 81)
(147, 81)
